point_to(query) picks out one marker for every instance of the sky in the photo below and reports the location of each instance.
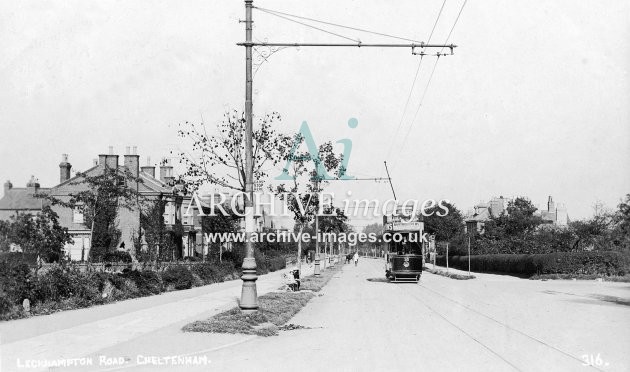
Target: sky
(534, 102)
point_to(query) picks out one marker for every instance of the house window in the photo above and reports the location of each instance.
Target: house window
(77, 214)
(169, 214)
(187, 219)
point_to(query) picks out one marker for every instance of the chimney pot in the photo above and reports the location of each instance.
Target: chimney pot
(7, 186)
(111, 150)
(127, 150)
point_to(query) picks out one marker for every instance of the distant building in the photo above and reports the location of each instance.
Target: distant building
(21, 200)
(555, 214)
(476, 219)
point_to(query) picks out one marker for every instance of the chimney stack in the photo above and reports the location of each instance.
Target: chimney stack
(64, 169)
(7, 186)
(33, 184)
(110, 160)
(132, 162)
(148, 169)
(166, 172)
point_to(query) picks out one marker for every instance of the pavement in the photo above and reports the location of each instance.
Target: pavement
(359, 322)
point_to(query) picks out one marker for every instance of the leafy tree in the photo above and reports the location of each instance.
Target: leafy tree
(519, 221)
(621, 223)
(377, 230)
(40, 234)
(595, 232)
(159, 238)
(334, 222)
(219, 158)
(4, 235)
(219, 223)
(444, 227)
(302, 194)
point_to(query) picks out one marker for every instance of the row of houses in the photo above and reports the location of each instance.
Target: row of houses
(475, 219)
(148, 185)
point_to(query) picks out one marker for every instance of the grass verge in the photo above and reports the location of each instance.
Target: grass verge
(449, 274)
(275, 309)
(624, 278)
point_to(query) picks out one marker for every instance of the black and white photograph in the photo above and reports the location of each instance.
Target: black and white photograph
(274, 185)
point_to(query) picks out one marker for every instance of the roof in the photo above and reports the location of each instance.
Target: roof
(22, 199)
(481, 214)
(149, 185)
(548, 216)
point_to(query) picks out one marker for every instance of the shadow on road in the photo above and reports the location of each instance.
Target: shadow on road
(378, 280)
(593, 297)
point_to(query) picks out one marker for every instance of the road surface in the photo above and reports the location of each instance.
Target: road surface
(360, 323)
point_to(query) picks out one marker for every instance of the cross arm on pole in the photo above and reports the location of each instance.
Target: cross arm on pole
(357, 45)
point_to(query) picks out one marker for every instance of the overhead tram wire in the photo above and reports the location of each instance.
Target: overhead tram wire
(311, 26)
(413, 85)
(431, 76)
(275, 12)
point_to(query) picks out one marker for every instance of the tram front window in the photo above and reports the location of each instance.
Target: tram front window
(408, 245)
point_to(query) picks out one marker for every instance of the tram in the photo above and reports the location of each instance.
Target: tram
(405, 253)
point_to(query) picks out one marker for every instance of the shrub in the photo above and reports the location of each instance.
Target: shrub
(277, 263)
(7, 309)
(15, 281)
(235, 256)
(117, 256)
(54, 285)
(147, 282)
(177, 276)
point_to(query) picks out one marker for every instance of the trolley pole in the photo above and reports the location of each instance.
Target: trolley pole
(249, 296)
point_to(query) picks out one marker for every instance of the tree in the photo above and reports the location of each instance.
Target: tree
(335, 222)
(100, 197)
(219, 158)
(377, 230)
(444, 227)
(159, 238)
(5, 227)
(595, 232)
(302, 194)
(219, 223)
(620, 233)
(40, 234)
(519, 221)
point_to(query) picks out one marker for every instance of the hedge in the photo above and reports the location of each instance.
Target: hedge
(574, 263)
(63, 287)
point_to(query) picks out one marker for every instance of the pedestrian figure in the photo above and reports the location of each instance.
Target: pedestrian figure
(356, 258)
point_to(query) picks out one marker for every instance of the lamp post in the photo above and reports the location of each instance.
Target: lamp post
(316, 269)
(249, 296)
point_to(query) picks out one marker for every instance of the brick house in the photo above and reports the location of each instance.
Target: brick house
(150, 188)
(21, 200)
(476, 219)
